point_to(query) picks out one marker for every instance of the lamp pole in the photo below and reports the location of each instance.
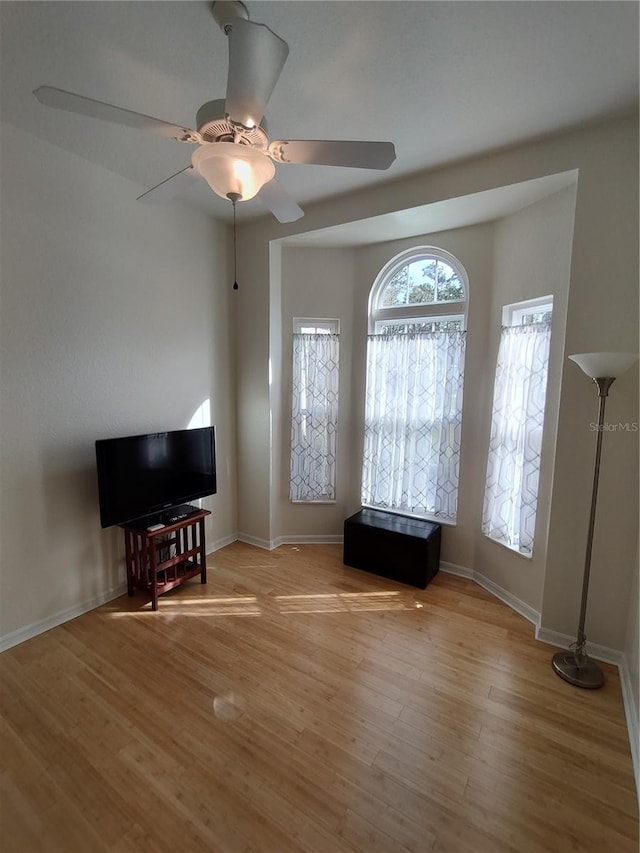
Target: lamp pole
(575, 665)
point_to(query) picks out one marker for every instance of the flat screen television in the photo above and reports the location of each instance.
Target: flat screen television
(143, 475)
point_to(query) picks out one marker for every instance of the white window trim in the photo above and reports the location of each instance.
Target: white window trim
(430, 309)
(399, 320)
(512, 314)
(319, 502)
(426, 516)
(316, 326)
(512, 318)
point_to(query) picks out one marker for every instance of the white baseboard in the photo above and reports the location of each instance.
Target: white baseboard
(29, 631)
(42, 625)
(452, 569)
(594, 650)
(253, 540)
(270, 544)
(327, 539)
(632, 719)
(521, 607)
(504, 595)
(543, 635)
(221, 543)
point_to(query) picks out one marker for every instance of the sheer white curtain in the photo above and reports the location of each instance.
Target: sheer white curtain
(513, 467)
(413, 420)
(314, 421)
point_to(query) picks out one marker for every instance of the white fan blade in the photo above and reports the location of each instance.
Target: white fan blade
(170, 187)
(256, 58)
(325, 152)
(279, 202)
(62, 100)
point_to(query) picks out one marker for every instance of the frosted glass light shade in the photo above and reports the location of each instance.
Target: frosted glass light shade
(599, 365)
(231, 168)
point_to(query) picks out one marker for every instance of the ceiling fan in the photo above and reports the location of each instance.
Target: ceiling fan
(234, 154)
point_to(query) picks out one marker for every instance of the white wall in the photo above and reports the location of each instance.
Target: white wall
(602, 314)
(632, 646)
(114, 320)
(532, 257)
(315, 283)
(253, 311)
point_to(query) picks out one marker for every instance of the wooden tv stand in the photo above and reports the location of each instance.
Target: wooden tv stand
(159, 560)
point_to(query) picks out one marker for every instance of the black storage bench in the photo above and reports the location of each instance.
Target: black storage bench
(404, 549)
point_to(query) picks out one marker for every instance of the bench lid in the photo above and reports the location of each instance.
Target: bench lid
(394, 523)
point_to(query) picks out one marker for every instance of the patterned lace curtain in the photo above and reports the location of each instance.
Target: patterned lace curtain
(314, 420)
(413, 420)
(513, 467)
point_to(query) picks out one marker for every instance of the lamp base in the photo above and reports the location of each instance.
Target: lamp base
(580, 671)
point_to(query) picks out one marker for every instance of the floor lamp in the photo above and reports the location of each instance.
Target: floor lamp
(575, 666)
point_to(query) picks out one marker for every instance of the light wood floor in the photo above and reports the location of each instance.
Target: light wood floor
(294, 704)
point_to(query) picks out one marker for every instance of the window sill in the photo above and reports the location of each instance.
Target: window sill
(508, 547)
(314, 502)
(434, 519)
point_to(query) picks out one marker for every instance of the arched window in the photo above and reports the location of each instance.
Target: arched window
(422, 290)
(415, 373)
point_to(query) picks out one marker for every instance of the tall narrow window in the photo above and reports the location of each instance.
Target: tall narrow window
(415, 373)
(513, 466)
(314, 411)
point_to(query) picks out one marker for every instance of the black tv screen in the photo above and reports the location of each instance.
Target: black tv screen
(140, 475)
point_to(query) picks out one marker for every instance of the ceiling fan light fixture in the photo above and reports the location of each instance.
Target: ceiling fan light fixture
(230, 168)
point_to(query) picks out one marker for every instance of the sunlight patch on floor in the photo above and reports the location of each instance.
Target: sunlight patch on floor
(342, 601)
(246, 605)
(252, 605)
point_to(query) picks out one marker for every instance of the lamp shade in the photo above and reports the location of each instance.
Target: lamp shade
(599, 365)
(232, 168)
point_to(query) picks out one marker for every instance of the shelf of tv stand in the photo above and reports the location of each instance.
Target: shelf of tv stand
(160, 560)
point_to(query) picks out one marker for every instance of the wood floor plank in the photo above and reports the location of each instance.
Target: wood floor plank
(294, 705)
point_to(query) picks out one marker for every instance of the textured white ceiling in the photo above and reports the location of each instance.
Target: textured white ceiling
(442, 80)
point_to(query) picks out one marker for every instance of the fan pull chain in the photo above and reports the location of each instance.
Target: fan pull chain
(235, 251)
(234, 198)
